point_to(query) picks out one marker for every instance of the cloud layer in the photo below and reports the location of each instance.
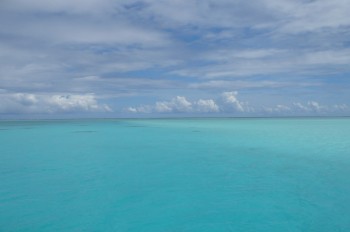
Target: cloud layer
(133, 52)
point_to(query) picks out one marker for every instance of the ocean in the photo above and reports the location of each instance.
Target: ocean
(164, 175)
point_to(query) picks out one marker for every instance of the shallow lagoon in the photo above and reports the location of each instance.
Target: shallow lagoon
(175, 175)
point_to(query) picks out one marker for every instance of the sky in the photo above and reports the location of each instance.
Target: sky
(151, 58)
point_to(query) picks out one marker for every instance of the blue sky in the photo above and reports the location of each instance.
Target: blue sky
(150, 58)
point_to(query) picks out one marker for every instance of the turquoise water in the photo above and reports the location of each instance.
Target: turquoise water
(175, 175)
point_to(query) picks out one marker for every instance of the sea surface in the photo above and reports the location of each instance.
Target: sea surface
(174, 175)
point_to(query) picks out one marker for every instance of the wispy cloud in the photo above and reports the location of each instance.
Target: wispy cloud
(143, 51)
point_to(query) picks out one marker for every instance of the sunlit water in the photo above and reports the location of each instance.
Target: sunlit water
(193, 175)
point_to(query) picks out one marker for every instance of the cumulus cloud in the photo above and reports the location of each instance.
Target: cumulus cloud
(341, 107)
(131, 109)
(25, 99)
(231, 102)
(68, 103)
(33, 103)
(300, 106)
(310, 106)
(180, 104)
(206, 106)
(139, 109)
(163, 107)
(315, 106)
(278, 109)
(177, 104)
(306, 108)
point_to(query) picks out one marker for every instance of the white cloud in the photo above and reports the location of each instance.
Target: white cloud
(315, 106)
(62, 6)
(257, 62)
(238, 84)
(32, 103)
(163, 107)
(317, 15)
(139, 109)
(281, 108)
(76, 31)
(231, 102)
(327, 57)
(177, 104)
(209, 13)
(278, 109)
(307, 108)
(180, 104)
(228, 103)
(132, 109)
(206, 106)
(231, 54)
(25, 99)
(310, 106)
(299, 106)
(280, 16)
(69, 103)
(265, 44)
(341, 107)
